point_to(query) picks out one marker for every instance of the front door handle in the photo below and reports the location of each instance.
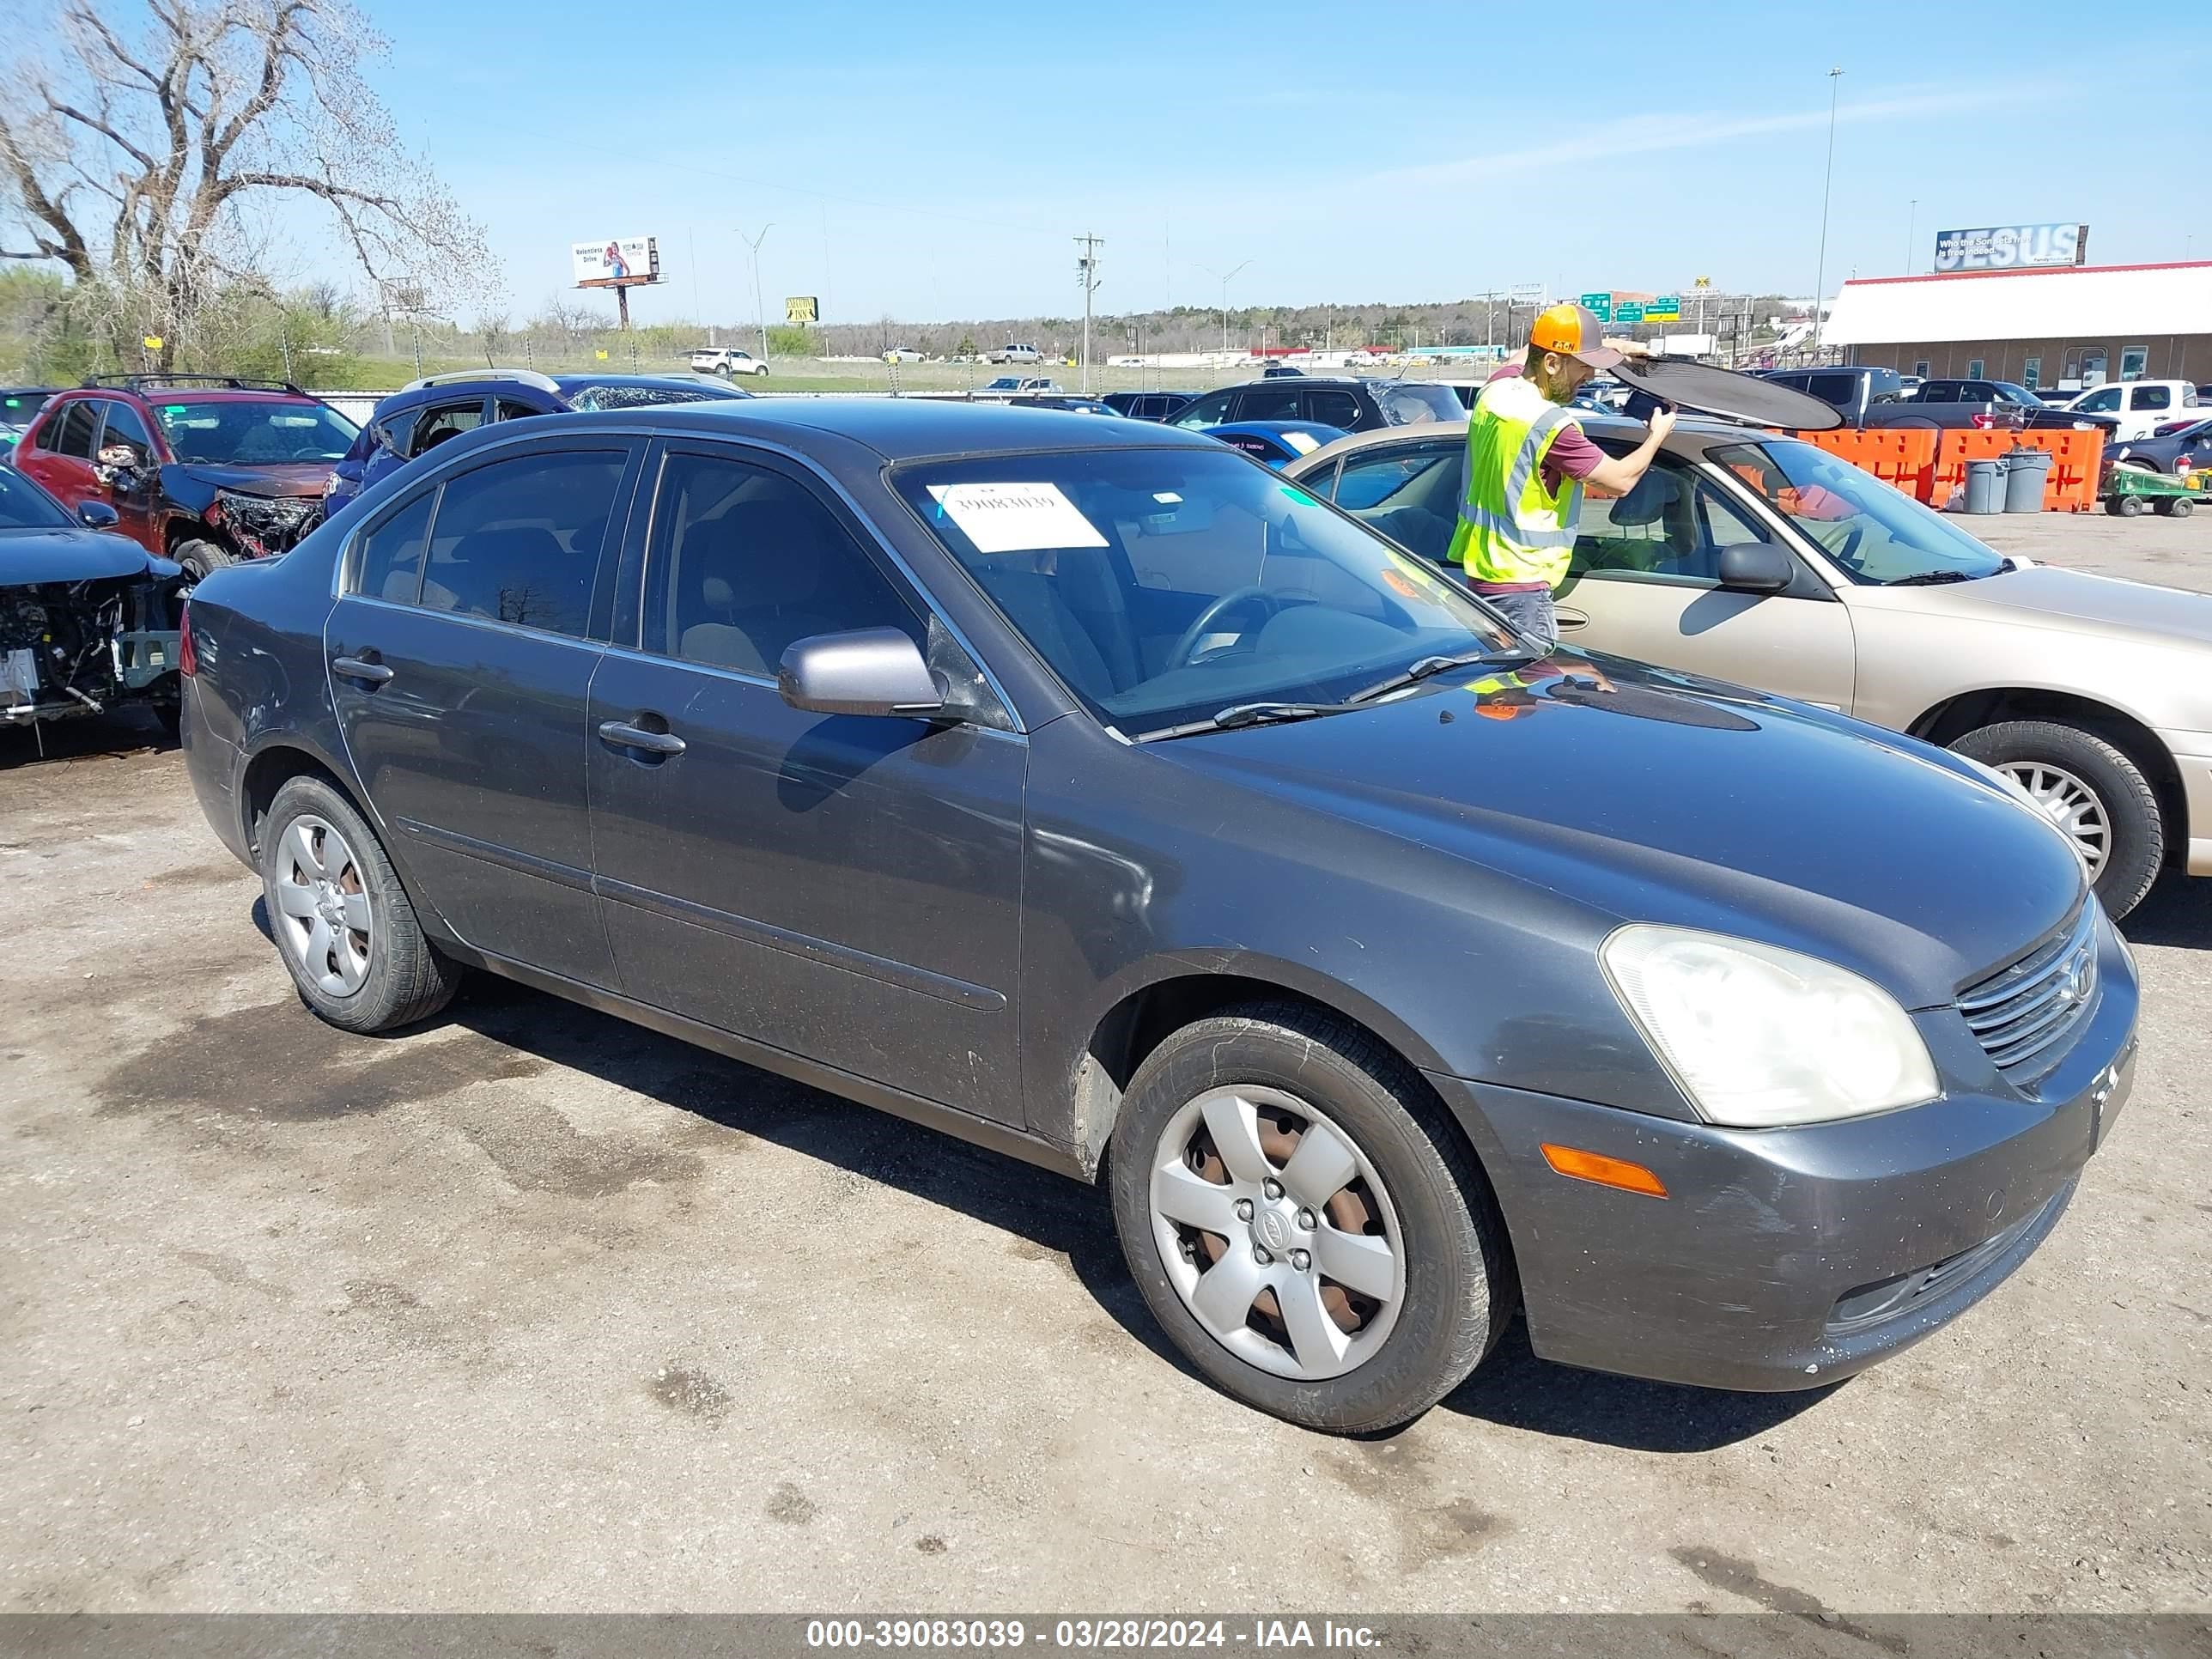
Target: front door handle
(621, 734)
(360, 668)
(1571, 618)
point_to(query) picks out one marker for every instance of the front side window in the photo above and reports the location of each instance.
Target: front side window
(743, 560)
(1209, 410)
(2103, 401)
(519, 541)
(1410, 495)
(124, 426)
(1876, 533)
(1670, 528)
(1163, 587)
(73, 433)
(254, 432)
(24, 506)
(444, 422)
(1272, 403)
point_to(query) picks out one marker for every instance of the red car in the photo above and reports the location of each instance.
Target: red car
(203, 469)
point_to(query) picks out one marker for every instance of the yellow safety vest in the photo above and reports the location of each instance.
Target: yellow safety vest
(1511, 527)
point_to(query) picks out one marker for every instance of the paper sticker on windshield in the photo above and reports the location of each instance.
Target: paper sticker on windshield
(1016, 518)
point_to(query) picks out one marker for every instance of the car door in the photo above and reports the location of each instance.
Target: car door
(1645, 583)
(1332, 406)
(461, 652)
(440, 421)
(130, 489)
(58, 452)
(841, 888)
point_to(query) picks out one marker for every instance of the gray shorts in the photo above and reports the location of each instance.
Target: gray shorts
(1531, 612)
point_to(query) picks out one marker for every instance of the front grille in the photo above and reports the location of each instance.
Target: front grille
(2024, 1016)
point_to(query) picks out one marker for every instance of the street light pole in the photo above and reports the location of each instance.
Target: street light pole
(760, 310)
(1086, 272)
(1225, 280)
(1820, 278)
(1912, 224)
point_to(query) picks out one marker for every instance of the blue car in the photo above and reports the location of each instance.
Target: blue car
(1276, 442)
(426, 412)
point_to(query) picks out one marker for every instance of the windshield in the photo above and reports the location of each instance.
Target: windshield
(1877, 534)
(255, 432)
(1163, 585)
(1409, 404)
(24, 506)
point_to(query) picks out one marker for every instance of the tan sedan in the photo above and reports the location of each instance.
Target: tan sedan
(1748, 556)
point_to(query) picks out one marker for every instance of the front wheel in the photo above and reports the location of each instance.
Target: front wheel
(343, 924)
(2093, 791)
(201, 559)
(1304, 1222)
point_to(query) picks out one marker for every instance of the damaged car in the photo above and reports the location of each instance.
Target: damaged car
(202, 469)
(88, 620)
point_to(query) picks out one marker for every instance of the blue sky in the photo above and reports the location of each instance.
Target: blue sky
(928, 162)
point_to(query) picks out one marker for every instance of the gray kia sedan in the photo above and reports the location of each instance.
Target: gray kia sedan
(1084, 789)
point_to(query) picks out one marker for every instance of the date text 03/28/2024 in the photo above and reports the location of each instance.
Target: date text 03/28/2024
(1096, 1635)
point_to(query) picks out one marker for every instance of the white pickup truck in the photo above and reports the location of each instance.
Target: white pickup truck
(2141, 406)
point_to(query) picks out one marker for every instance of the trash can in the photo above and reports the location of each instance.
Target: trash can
(1985, 486)
(2025, 470)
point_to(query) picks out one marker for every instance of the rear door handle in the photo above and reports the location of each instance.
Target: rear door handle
(622, 735)
(360, 668)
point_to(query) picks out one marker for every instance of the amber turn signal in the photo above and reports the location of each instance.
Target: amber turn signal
(1579, 1165)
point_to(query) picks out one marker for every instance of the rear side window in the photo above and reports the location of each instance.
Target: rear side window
(1269, 406)
(2153, 396)
(390, 562)
(1332, 408)
(1209, 410)
(519, 541)
(448, 420)
(1841, 389)
(72, 434)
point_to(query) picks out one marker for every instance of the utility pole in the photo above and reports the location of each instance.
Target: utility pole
(760, 310)
(1912, 224)
(1827, 180)
(1086, 272)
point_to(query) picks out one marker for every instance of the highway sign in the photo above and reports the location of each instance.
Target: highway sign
(1667, 308)
(1628, 311)
(1600, 306)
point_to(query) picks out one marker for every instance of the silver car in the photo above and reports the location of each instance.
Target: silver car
(1760, 559)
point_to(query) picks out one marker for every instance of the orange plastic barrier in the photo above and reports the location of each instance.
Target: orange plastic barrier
(2070, 486)
(1903, 456)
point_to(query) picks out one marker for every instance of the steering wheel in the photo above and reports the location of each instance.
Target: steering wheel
(1852, 537)
(1200, 628)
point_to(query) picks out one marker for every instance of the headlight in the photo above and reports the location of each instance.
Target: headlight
(1759, 1037)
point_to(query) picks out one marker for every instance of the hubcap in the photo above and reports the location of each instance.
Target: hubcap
(1277, 1232)
(323, 909)
(2071, 804)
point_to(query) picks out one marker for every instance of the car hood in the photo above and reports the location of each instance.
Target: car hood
(2044, 596)
(289, 478)
(71, 556)
(1671, 799)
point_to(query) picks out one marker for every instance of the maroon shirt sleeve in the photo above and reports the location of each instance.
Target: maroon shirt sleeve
(1572, 455)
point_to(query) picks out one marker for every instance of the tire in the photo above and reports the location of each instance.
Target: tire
(373, 979)
(201, 559)
(1442, 1251)
(2128, 506)
(2134, 837)
(2179, 507)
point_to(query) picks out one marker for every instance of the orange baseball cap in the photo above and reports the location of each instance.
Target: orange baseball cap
(1573, 331)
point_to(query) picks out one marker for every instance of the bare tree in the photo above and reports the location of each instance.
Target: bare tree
(138, 153)
(492, 329)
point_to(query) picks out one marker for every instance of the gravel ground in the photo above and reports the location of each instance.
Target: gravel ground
(536, 1310)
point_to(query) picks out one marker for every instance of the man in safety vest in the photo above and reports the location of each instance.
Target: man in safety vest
(1528, 461)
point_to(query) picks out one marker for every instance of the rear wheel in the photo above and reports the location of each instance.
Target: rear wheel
(1303, 1224)
(201, 559)
(2177, 506)
(2093, 791)
(343, 924)
(2128, 506)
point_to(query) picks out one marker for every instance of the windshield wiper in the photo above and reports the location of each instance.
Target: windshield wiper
(1247, 713)
(1427, 667)
(1929, 578)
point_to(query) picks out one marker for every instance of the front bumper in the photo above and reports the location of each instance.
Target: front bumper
(1790, 1258)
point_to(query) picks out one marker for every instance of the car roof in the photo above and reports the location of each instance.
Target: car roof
(193, 394)
(1692, 432)
(1261, 384)
(899, 428)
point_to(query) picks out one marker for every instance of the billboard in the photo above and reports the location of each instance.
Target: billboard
(2011, 248)
(802, 308)
(615, 259)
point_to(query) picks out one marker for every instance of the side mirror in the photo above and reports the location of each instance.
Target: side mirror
(97, 515)
(1757, 568)
(870, 670)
